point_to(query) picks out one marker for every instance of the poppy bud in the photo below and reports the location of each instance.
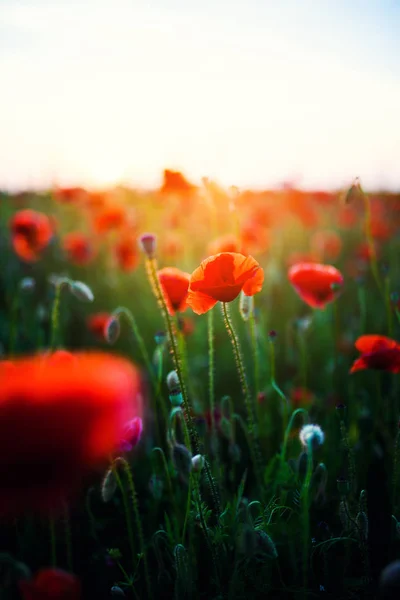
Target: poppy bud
(112, 330)
(117, 592)
(389, 581)
(160, 337)
(82, 291)
(246, 305)
(173, 382)
(265, 544)
(27, 284)
(198, 463)
(59, 281)
(148, 244)
(182, 459)
(235, 452)
(226, 428)
(311, 435)
(362, 526)
(108, 486)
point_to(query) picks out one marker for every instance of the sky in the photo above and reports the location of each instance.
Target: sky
(250, 93)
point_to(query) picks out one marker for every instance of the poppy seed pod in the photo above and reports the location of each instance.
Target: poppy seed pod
(82, 291)
(148, 244)
(173, 382)
(198, 463)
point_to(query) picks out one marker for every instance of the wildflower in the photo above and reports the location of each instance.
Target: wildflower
(59, 419)
(174, 285)
(174, 182)
(377, 352)
(311, 435)
(31, 232)
(109, 218)
(78, 248)
(51, 584)
(221, 278)
(315, 283)
(125, 251)
(131, 435)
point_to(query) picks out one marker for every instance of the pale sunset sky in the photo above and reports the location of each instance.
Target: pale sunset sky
(249, 93)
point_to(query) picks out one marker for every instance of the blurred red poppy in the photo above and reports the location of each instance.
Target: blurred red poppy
(78, 248)
(69, 195)
(174, 284)
(175, 182)
(31, 232)
(51, 584)
(221, 278)
(377, 352)
(97, 324)
(126, 252)
(109, 218)
(58, 420)
(301, 396)
(315, 283)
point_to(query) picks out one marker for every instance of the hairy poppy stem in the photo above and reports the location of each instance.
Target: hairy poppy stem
(388, 305)
(253, 433)
(298, 411)
(306, 515)
(128, 516)
(151, 268)
(138, 522)
(55, 317)
(256, 356)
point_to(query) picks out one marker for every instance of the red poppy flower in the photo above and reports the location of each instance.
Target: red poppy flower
(316, 284)
(131, 436)
(58, 420)
(97, 324)
(126, 252)
(174, 182)
(221, 278)
(174, 284)
(78, 248)
(377, 352)
(51, 584)
(109, 218)
(31, 232)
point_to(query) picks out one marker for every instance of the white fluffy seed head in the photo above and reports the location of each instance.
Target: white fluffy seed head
(311, 435)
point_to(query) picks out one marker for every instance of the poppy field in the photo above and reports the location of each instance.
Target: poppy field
(199, 393)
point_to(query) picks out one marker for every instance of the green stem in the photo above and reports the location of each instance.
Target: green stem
(138, 523)
(388, 305)
(55, 317)
(289, 428)
(275, 386)
(256, 357)
(128, 516)
(253, 434)
(306, 515)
